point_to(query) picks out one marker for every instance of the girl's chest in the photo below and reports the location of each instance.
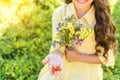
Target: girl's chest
(88, 45)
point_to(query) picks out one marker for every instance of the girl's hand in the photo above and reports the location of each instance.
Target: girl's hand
(54, 62)
(71, 55)
(74, 55)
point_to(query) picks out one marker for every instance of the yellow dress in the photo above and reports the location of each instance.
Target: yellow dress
(78, 70)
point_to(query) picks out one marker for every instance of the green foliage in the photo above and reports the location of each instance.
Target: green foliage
(25, 38)
(113, 73)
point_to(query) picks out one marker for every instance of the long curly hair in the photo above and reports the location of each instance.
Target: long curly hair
(104, 27)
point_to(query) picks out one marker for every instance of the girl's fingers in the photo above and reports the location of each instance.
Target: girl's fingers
(66, 49)
(53, 70)
(60, 65)
(44, 61)
(50, 69)
(56, 73)
(54, 66)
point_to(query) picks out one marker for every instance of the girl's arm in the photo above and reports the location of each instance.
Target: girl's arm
(73, 55)
(89, 58)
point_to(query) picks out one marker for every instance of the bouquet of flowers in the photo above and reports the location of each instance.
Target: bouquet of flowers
(70, 31)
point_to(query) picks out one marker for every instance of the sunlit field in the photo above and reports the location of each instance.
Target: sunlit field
(26, 35)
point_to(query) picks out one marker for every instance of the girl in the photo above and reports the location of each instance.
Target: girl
(83, 62)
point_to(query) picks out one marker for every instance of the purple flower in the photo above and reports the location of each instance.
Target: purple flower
(59, 25)
(60, 44)
(77, 28)
(53, 44)
(62, 38)
(79, 41)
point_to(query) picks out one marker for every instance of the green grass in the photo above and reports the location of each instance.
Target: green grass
(113, 74)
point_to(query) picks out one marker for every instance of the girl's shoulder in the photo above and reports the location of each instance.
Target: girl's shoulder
(61, 10)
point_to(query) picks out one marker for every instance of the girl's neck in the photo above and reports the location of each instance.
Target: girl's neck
(81, 11)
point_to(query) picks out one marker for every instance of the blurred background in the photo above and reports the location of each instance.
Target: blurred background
(26, 35)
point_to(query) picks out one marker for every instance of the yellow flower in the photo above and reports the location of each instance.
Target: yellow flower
(61, 48)
(71, 28)
(57, 39)
(81, 36)
(68, 31)
(63, 28)
(85, 32)
(77, 33)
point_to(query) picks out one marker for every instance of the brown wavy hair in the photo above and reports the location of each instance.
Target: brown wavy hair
(104, 27)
